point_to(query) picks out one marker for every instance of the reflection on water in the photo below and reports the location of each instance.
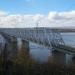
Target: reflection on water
(43, 54)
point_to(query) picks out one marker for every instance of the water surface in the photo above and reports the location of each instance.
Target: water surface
(43, 54)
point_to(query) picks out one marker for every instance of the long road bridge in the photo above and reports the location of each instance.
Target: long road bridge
(43, 36)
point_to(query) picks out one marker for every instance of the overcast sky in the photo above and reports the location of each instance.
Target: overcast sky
(27, 13)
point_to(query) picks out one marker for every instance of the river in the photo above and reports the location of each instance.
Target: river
(43, 54)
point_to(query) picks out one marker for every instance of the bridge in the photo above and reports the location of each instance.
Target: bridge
(43, 36)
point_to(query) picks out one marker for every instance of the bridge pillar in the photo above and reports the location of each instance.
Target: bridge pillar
(8, 54)
(73, 62)
(58, 58)
(25, 46)
(11, 48)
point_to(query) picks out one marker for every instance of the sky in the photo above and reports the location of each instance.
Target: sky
(27, 13)
(36, 6)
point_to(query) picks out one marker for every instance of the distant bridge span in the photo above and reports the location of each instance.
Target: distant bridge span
(47, 37)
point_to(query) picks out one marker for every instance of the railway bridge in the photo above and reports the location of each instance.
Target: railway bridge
(43, 36)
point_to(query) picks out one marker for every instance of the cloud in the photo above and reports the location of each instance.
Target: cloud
(61, 15)
(53, 19)
(62, 19)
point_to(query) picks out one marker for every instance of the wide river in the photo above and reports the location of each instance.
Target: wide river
(43, 54)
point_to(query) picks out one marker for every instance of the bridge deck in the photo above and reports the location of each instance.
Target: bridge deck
(64, 48)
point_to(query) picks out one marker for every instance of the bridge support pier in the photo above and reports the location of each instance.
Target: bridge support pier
(58, 58)
(11, 48)
(25, 46)
(73, 62)
(8, 54)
